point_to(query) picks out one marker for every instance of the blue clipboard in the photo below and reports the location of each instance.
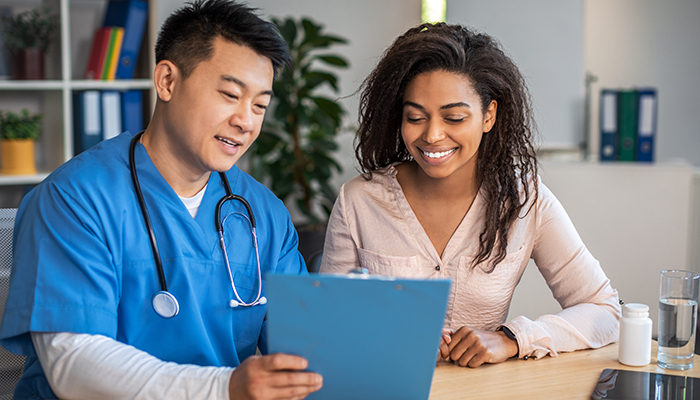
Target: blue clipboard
(370, 337)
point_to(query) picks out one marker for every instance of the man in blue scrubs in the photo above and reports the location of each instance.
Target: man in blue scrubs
(80, 304)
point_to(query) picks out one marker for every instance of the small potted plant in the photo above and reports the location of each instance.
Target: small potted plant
(18, 132)
(28, 35)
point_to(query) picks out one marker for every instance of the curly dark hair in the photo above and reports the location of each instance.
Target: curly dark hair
(506, 161)
(187, 35)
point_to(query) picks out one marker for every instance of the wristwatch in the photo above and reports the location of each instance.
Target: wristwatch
(509, 334)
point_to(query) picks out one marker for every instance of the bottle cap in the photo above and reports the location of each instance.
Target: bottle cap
(635, 310)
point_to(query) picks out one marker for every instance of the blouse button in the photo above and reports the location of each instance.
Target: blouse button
(437, 268)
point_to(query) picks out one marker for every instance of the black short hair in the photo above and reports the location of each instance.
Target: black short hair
(186, 37)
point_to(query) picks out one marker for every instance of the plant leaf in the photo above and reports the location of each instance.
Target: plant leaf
(315, 78)
(295, 151)
(288, 30)
(311, 30)
(332, 60)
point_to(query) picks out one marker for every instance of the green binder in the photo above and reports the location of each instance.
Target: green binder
(627, 124)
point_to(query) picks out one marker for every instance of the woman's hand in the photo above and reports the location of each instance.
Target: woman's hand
(444, 353)
(473, 347)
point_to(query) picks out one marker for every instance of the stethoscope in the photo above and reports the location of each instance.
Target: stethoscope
(165, 303)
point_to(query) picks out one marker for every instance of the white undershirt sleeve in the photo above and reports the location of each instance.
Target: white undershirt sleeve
(84, 366)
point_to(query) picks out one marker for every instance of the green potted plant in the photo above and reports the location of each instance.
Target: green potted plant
(18, 132)
(294, 153)
(28, 35)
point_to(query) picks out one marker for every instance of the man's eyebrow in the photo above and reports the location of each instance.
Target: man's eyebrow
(233, 79)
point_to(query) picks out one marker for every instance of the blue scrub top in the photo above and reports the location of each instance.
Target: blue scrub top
(83, 263)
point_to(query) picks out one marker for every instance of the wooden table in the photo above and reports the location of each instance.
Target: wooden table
(567, 376)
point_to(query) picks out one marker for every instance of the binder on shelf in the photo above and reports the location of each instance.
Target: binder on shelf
(114, 54)
(627, 124)
(132, 16)
(98, 50)
(87, 120)
(646, 124)
(132, 111)
(608, 125)
(111, 114)
(115, 44)
(5, 55)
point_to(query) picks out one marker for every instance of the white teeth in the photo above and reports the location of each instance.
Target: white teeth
(228, 142)
(439, 154)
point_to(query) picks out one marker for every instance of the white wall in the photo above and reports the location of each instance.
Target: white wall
(369, 25)
(650, 43)
(545, 39)
(635, 219)
(624, 43)
(694, 244)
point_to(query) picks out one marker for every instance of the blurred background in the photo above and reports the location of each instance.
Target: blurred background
(636, 218)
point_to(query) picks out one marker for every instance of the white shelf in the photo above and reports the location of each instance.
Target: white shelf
(31, 85)
(34, 179)
(114, 85)
(144, 84)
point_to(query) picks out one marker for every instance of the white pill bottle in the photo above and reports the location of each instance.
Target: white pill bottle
(635, 335)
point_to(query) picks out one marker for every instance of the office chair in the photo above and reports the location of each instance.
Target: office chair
(11, 365)
(314, 262)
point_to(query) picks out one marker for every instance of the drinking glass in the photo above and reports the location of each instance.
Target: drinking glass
(678, 306)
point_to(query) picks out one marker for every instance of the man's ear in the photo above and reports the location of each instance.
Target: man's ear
(165, 76)
(490, 116)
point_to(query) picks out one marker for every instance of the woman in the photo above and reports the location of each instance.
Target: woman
(450, 190)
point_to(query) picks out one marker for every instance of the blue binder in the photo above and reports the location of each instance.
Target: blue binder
(370, 337)
(608, 125)
(5, 55)
(646, 124)
(87, 120)
(132, 111)
(130, 15)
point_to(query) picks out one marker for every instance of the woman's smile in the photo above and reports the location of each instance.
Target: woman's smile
(443, 124)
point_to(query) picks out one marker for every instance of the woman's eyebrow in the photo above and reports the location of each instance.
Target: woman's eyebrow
(445, 107)
(453, 105)
(414, 105)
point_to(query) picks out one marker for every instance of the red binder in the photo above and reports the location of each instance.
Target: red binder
(98, 51)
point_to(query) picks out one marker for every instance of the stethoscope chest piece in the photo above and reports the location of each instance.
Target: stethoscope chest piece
(165, 304)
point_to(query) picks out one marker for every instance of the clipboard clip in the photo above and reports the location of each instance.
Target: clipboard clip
(359, 270)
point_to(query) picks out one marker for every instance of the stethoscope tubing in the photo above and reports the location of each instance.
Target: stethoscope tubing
(144, 212)
(165, 303)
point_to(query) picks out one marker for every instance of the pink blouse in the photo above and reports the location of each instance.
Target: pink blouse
(373, 226)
